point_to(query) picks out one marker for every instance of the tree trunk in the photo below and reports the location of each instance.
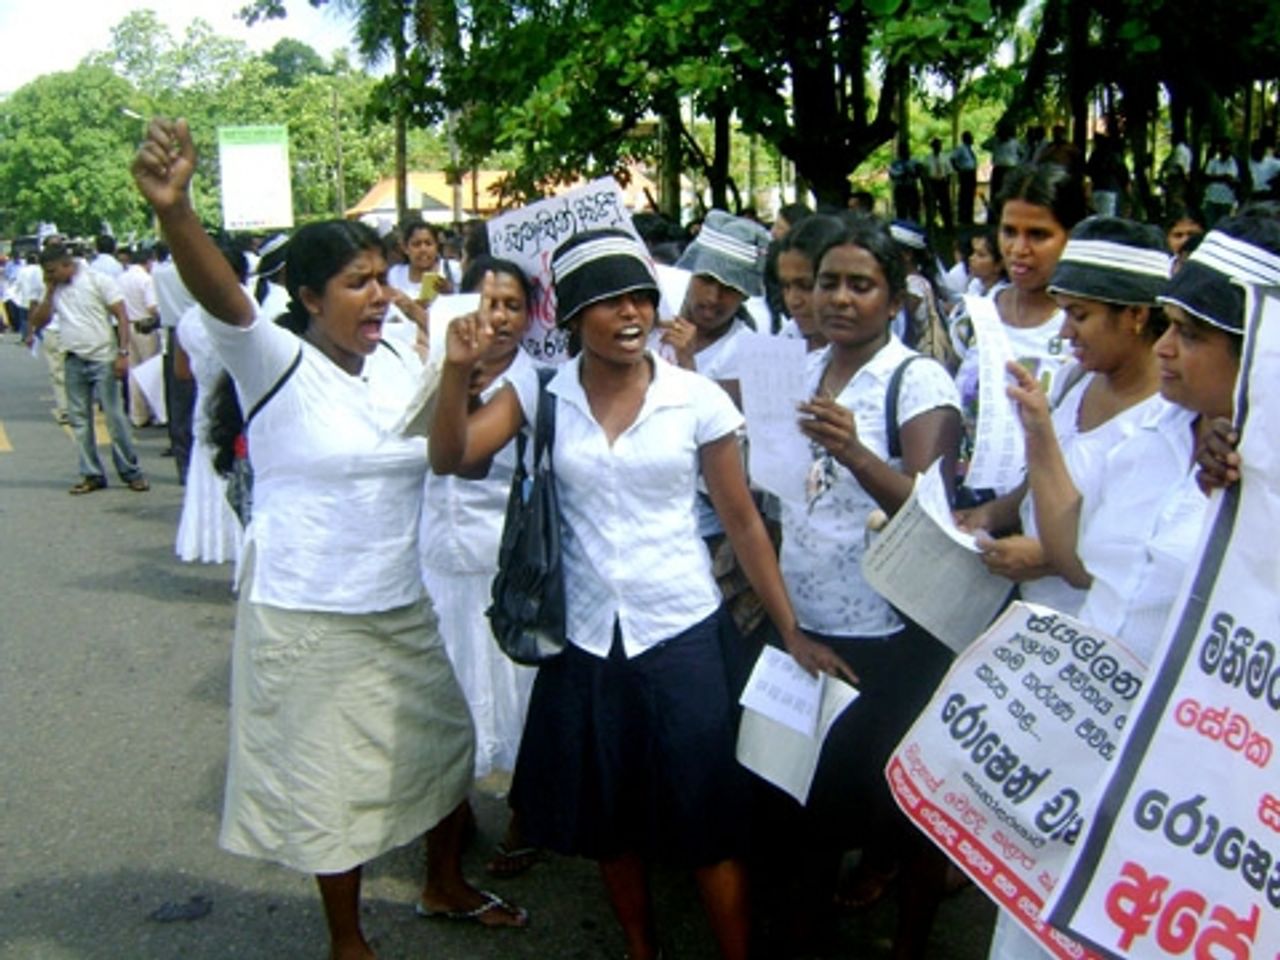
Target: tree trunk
(401, 124)
(718, 172)
(669, 181)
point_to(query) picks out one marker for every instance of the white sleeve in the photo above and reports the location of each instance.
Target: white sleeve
(717, 416)
(926, 385)
(257, 355)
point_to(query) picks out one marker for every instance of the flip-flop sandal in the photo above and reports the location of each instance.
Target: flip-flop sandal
(491, 902)
(511, 862)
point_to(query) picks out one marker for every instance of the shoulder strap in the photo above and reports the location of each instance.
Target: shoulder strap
(544, 430)
(891, 406)
(275, 388)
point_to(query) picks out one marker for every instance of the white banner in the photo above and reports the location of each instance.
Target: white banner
(1183, 857)
(257, 190)
(530, 235)
(1000, 768)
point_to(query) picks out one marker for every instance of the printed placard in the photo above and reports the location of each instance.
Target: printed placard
(1183, 857)
(1000, 768)
(530, 235)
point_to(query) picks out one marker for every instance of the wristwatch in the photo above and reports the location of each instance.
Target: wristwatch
(122, 352)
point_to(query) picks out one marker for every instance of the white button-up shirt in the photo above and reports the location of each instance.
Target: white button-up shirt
(630, 541)
(822, 546)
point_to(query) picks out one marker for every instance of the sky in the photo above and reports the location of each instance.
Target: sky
(40, 40)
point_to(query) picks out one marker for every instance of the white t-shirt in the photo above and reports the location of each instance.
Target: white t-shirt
(1085, 453)
(822, 546)
(83, 308)
(337, 494)
(630, 542)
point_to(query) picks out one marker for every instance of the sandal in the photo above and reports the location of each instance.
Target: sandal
(866, 888)
(490, 903)
(139, 484)
(87, 485)
(508, 862)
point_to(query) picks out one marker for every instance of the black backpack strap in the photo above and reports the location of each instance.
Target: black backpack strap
(891, 406)
(275, 388)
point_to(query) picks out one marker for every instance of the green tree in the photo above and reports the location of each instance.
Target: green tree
(65, 149)
(293, 61)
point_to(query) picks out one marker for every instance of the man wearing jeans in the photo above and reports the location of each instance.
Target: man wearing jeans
(96, 361)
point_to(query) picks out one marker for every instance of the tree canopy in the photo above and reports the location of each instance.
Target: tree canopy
(66, 139)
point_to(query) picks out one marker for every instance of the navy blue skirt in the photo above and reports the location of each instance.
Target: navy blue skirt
(897, 675)
(634, 756)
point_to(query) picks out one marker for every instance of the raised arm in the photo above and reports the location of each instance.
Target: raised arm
(1057, 500)
(162, 169)
(462, 439)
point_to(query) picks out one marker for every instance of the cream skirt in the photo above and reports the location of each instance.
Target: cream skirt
(349, 734)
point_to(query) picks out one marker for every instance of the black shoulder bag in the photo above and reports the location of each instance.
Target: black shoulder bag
(528, 611)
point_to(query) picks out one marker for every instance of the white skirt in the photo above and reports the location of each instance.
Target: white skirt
(349, 735)
(208, 530)
(497, 689)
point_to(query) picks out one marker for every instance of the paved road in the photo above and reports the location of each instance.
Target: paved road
(113, 690)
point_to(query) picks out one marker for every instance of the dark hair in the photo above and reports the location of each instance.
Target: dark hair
(105, 243)
(233, 253)
(794, 213)
(475, 239)
(474, 276)
(1180, 212)
(54, 253)
(271, 265)
(1045, 185)
(411, 225)
(316, 254)
(862, 230)
(810, 236)
(987, 233)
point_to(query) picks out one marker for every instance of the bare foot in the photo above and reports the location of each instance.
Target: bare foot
(352, 951)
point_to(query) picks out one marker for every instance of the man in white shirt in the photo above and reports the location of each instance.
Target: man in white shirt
(937, 178)
(105, 262)
(965, 163)
(1221, 178)
(139, 294)
(85, 303)
(31, 292)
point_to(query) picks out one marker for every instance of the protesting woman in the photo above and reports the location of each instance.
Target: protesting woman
(628, 749)
(349, 734)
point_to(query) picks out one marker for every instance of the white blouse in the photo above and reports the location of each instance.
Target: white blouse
(1142, 518)
(630, 542)
(822, 546)
(462, 518)
(337, 494)
(1085, 453)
